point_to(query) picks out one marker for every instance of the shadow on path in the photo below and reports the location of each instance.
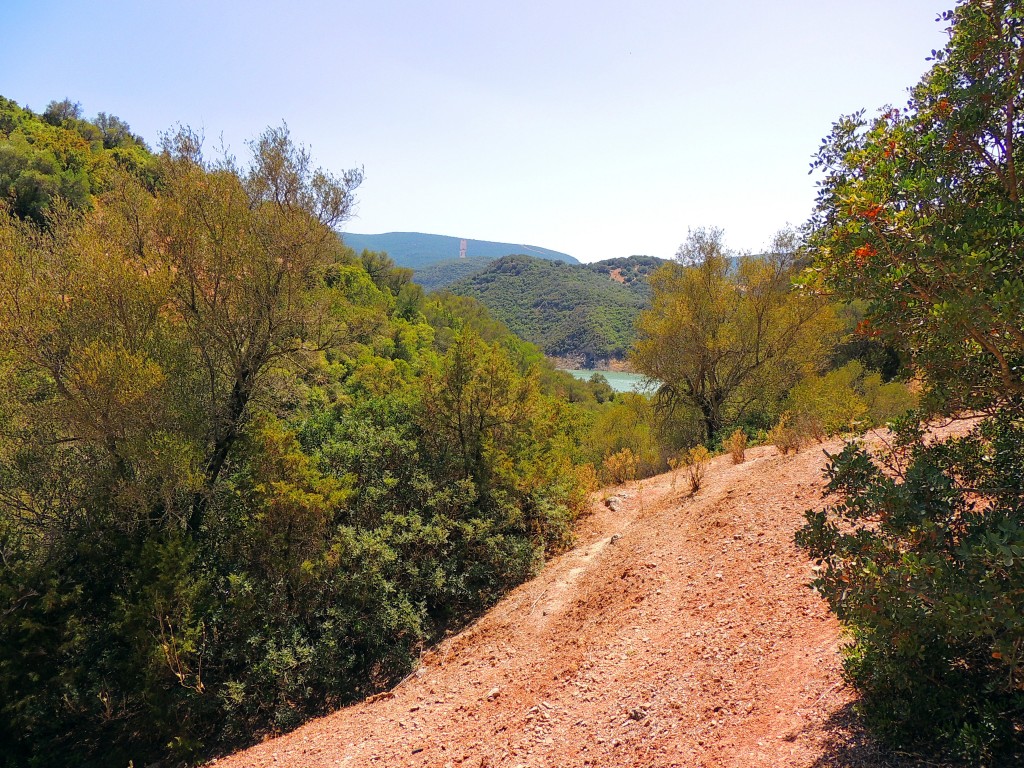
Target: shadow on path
(851, 745)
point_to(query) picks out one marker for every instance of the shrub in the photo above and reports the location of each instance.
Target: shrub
(785, 435)
(886, 401)
(736, 445)
(923, 560)
(831, 403)
(620, 467)
(696, 461)
(847, 399)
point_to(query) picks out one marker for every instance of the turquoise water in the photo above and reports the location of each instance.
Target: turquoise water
(619, 380)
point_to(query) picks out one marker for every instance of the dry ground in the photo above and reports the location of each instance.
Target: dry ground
(679, 632)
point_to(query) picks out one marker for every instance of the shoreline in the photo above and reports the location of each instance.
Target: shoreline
(578, 362)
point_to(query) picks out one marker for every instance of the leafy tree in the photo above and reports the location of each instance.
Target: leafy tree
(242, 479)
(232, 255)
(116, 132)
(723, 331)
(919, 211)
(242, 248)
(922, 550)
(57, 112)
(602, 390)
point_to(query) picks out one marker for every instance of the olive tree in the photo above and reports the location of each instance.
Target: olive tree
(725, 330)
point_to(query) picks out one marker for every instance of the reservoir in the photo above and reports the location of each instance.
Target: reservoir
(620, 381)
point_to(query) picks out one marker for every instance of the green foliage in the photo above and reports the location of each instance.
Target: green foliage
(60, 155)
(600, 388)
(925, 566)
(861, 344)
(629, 422)
(567, 310)
(919, 212)
(830, 402)
(848, 399)
(919, 217)
(245, 474)
(580, 312)
(727, 337)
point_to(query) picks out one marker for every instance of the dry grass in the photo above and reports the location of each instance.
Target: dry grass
(736, 445)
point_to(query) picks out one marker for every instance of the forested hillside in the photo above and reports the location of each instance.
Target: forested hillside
(632, 271)
(567, 310)
(245, 474)
(443, 273)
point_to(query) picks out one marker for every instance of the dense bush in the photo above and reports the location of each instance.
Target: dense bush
(923, 560)
(919, 221)
(848, 399)
(243, 479)
(59, 155)
(631, 421)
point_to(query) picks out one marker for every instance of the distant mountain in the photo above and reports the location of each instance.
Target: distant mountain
(416, 250)
(570, 310)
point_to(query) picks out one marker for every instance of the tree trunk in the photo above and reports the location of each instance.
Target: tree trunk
(711, 414)
(240, 394)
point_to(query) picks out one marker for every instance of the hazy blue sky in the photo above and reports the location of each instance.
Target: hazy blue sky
(596, 128)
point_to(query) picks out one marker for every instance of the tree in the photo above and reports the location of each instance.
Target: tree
(239, 257)
(919, 211)
(57, 112)
(921, 551)
(244, 248)
(116, 132)
(724, 330)
(476, 404)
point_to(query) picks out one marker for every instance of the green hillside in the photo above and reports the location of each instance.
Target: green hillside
(60, 154)
(416, 249)
(443, 273)
(568, 310)
(631, 271)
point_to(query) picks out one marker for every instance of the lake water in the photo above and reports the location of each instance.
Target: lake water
(620, 381)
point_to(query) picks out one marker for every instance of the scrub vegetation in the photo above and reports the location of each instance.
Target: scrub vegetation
(247, 474)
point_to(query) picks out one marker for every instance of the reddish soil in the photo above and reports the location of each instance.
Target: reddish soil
(679, 632)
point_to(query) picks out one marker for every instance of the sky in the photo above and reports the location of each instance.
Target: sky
(600, 129)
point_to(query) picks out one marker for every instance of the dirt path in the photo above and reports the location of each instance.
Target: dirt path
(679, 632)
